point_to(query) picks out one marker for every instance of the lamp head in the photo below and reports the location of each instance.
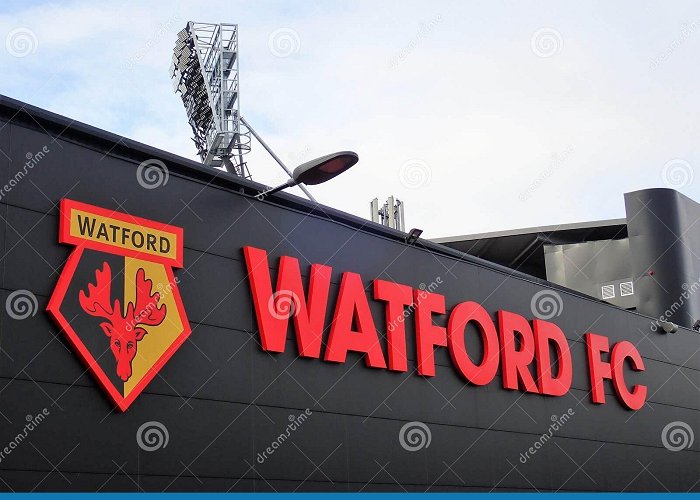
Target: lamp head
(324, 168)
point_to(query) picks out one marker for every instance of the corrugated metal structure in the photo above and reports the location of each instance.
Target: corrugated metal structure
(649, 261)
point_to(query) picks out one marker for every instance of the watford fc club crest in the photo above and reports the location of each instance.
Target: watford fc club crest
(117, 299)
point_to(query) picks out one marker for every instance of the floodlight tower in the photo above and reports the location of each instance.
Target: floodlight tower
(205, 73)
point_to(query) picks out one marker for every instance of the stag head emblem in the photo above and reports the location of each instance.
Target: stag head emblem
(124, 330)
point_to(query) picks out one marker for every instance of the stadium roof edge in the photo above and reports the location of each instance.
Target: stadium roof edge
(532, 230)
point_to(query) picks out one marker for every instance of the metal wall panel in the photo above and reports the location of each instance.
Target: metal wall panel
(664, 242)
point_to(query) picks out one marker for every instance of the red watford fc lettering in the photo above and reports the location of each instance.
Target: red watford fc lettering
(533, 356)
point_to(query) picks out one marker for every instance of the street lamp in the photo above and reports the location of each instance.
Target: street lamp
(316, 171)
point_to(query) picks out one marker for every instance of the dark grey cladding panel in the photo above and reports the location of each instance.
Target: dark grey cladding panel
(215, 291)
(78, 420)
(33, 259)
(56, 482)
(33, 347)
(296, 444)
(5, 162)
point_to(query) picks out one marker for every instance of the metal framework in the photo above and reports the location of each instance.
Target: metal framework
(205, 74)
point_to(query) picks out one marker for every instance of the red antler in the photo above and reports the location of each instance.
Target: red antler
(97, 300)
(145, 310)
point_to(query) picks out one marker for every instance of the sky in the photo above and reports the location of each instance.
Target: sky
(479, 115)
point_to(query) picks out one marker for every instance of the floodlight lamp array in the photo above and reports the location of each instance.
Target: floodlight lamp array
(204, 72)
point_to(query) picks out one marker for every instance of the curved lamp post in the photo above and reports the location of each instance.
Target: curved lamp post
(317, 171)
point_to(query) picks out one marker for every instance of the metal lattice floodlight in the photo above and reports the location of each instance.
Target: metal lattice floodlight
(205, 73)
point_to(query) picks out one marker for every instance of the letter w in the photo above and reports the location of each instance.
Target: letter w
(309, 315)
